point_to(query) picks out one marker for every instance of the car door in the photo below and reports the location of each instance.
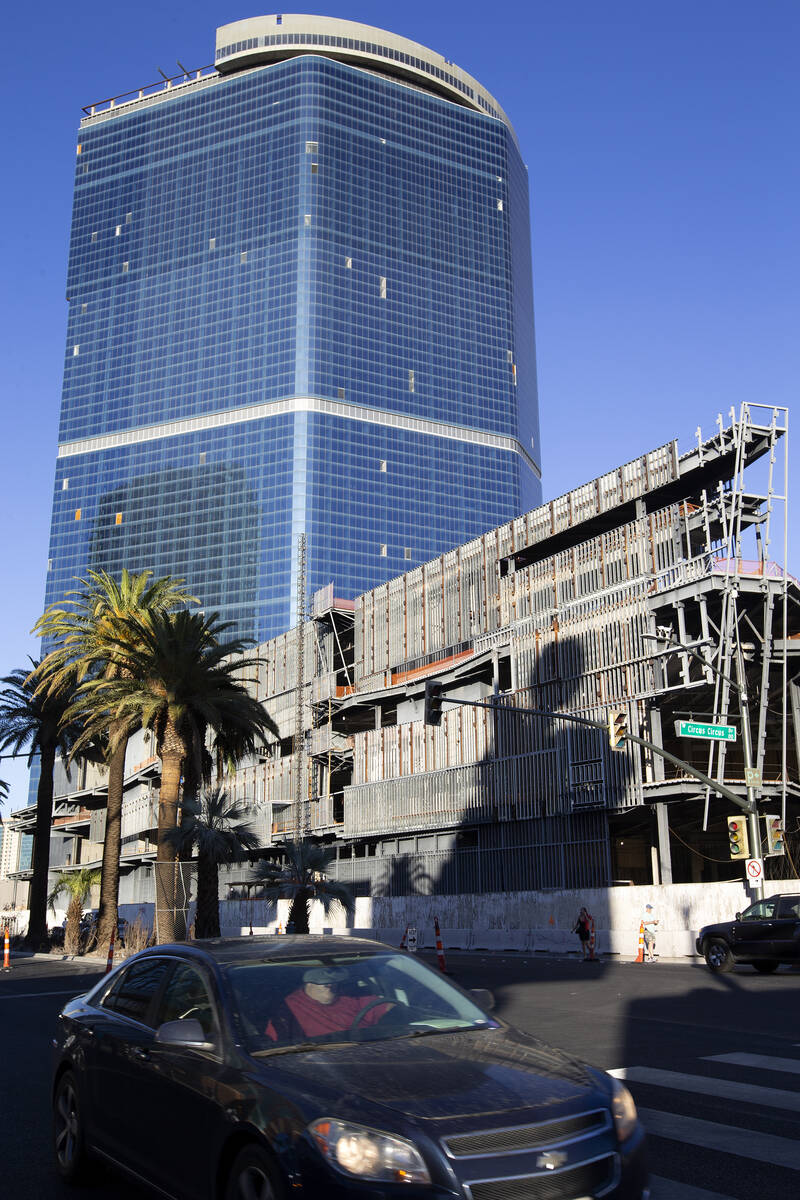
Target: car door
(786, 929)
(752, 936)
(123, 1035)
(181, 1087)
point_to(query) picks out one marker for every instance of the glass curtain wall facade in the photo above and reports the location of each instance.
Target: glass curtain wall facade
(300, 300)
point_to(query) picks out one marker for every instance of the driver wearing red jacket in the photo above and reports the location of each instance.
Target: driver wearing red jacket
(319, 1008)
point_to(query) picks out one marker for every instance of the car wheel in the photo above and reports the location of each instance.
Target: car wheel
(72, 1160)
(765, 967)
(253, 1176)
(718, 955)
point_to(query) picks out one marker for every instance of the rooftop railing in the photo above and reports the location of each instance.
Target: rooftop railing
(167, 84)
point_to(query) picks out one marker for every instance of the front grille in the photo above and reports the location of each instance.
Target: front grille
(589, 1179)
(525, 1137)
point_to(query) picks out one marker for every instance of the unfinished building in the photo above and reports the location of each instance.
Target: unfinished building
(659, 589)
(652, 588)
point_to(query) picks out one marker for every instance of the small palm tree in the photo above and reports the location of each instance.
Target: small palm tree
(302, 879)
(181, 681)
(91, 635)
(78, 886)
(38, 722)
(217, 829)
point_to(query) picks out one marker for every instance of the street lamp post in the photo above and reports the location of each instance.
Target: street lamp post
(740, 688)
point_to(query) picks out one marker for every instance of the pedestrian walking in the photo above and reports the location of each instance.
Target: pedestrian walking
(583, 928)
(650, 920)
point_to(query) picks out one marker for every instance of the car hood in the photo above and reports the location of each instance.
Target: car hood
(447, 1075)
(719, 927)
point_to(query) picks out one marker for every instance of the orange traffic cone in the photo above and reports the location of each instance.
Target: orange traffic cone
(640, 951)
(404, 939)
(439, 946)
(6, 952)
(110, 962)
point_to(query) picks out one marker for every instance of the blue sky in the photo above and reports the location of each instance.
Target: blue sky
(661, 142)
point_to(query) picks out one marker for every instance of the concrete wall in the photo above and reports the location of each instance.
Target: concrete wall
(535, 922)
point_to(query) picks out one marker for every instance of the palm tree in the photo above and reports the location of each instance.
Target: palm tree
(91, 635)
(217, 829)
(77, 885)
(181, 680)
(3, 790)
(302, 879)
(39, 722)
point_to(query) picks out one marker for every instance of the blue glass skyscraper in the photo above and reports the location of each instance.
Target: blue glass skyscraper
(300, 300)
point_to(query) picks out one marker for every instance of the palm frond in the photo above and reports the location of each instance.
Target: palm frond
(77, 885)
(215, 827)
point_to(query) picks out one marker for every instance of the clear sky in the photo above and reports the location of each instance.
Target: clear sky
(662, 146)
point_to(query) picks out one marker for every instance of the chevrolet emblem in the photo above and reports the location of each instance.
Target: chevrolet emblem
(551, 1161)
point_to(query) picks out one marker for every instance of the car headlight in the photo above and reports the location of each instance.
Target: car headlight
(368, 1154)
(623, 1110)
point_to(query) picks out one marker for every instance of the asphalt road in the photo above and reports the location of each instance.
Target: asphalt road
(719, 1127)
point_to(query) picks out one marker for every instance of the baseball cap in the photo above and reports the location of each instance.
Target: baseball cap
(649, 906)
(324, 975)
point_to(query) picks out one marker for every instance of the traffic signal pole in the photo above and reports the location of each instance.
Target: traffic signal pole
(740, 687)
(747, 806)
(747, 746)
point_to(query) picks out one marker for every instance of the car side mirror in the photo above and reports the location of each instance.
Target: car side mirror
(483, 997)
(183, 1035)
(738, 916)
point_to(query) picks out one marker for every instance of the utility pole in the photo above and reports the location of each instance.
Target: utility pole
(299, 731)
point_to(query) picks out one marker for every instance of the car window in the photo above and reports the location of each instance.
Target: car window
(789, 907)
(186, 996)
(133, 992)
(283, 1003)
(761, 911)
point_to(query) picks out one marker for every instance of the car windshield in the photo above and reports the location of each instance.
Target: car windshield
(285, 1005)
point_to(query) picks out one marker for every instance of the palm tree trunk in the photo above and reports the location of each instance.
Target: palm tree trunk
(166, 864)
(298, 913)
(207, 921)
(72, 933)
(37, 926)
(109, 880)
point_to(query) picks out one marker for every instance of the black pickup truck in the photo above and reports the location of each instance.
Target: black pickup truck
(765, 935)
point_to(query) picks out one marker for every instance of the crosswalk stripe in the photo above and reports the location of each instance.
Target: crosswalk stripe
(672, 1189)
(763, 1061)
(725, 1139)
(705, 1085)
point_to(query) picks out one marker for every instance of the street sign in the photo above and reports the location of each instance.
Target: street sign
(412, 939)
(754, 868)
(695, 729)
(752, 777)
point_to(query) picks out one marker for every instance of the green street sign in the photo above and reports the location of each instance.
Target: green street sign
(718, 733)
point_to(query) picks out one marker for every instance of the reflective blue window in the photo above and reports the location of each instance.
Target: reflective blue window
(277, 281)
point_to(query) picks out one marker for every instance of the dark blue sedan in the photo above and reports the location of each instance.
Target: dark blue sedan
(327, 1068)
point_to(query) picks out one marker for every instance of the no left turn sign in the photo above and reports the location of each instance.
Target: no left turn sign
(755, 869)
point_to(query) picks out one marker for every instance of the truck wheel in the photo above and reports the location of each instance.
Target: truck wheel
(765, 967)
(718, 955)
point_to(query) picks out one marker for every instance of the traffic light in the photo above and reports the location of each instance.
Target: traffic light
(433, 701)
(617, 728)
(737, 836)
(775, 842)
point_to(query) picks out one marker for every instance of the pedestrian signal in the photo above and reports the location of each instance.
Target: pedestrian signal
(617, 728)
(737, 837)
(433, 701)
(775, 842)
